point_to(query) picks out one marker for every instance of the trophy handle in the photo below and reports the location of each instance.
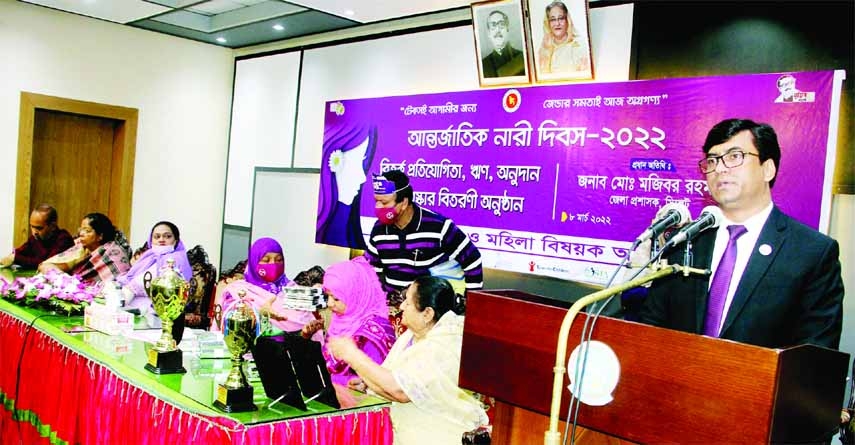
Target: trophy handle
(218, 315)
(147, 283)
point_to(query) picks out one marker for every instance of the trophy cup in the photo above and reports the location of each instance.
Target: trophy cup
(168, 293)
(240, 327)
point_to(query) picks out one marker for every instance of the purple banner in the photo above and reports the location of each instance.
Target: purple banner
(565, 176)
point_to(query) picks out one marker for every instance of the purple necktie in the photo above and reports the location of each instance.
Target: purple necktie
(721, 283)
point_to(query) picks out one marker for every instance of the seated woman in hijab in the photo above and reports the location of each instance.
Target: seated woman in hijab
(263, 280)
(164, 242)
(359, 312)
(420, 373)
(100, 252)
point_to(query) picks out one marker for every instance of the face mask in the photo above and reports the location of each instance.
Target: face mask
(386, 215)
(271, 272)
(162, 249)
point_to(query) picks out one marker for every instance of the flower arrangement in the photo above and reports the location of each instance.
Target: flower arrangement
(54, 290)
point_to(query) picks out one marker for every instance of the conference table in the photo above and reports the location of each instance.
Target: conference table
(63, 383)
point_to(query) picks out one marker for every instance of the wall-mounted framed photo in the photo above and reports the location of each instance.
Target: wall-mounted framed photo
(500, 42)
(560, 40)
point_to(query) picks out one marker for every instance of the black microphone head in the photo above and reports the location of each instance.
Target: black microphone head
(679, 209)
(673, 214)
(709, 218)
(714, 214)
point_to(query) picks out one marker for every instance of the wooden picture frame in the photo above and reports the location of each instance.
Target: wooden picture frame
(500, 43)
(560, 40)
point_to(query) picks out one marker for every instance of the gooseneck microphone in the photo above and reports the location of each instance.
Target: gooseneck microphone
(670, 215)
(709, 218)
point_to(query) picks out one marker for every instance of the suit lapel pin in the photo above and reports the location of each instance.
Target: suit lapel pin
(765, 249)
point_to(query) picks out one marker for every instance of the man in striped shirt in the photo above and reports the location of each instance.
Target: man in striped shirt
(409, 241)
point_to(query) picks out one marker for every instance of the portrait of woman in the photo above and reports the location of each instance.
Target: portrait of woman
(561, 39)
(347, 154)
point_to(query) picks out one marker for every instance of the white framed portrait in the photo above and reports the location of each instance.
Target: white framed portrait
(560, 40)
(500, 44)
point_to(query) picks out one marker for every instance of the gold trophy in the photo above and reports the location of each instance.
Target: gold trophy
(240, 328)
(168, 293)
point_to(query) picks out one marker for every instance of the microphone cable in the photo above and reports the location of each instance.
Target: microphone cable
(587, 333)
(18, 371)
(582, 359)
(586, 337)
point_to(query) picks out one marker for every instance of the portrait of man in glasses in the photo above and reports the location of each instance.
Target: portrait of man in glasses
(774, 282)
(787, 87)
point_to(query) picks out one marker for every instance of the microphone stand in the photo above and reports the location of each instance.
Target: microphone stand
(654, 247)
(688, 257)
(552, 436)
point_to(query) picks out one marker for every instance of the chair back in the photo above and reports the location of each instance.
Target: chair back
(201, 289)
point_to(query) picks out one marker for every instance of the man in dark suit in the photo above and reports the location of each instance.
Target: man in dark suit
(785, 287)
(504, 60)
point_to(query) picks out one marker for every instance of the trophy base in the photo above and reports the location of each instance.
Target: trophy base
(234, 400)
(165, 362)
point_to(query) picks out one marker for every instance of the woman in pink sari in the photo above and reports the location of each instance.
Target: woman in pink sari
(263, 280)
(359, 311)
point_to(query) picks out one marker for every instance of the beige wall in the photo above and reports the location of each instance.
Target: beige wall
(842, 214)
(181, 88)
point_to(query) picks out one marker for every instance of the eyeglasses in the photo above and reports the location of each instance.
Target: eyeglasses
(499, 24)
(730, 159)
(560, 18)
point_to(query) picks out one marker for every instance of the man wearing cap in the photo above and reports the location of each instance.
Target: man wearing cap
(45, 241)
(409, 241)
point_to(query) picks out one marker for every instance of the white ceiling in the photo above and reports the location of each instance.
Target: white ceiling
(247, 22)
(366, 11)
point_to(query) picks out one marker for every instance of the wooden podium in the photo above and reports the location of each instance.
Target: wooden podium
(674, 387)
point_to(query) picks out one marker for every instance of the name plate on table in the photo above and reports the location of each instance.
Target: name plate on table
(108, 320)
(116, 345)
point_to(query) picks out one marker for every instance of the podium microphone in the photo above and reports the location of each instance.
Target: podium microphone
(709, 218)
(670, 215)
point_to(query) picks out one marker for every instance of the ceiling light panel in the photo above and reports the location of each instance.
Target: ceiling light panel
(366, 11)
(215, 7)
(242, 15)
(119, 11)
